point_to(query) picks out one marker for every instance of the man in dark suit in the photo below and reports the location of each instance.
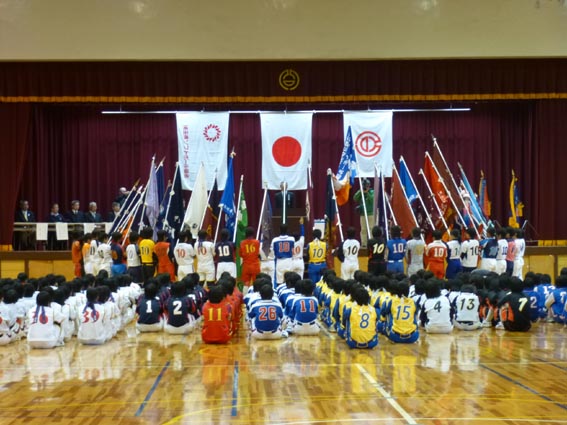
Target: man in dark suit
(24, 240)
(289, 197)
(54, 217)
(75, 215)
(92, 216)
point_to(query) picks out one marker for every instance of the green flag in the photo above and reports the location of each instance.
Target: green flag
(241, 225)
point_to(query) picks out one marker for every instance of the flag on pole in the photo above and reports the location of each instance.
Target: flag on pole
(468, 194)
(435, 183)
(267, 231)
(330, 212)
(400, 206)
(346, 171)
(516, 205)
(483, 200)
(241, 225)
(286, 149)
(152, 196)
(309, 197)
(160, 181)
(227, 202)
(447, 177)
(407, 182)
(212, 211)
(174, 210)
(197, 203)
(380, 203)
(371, 138)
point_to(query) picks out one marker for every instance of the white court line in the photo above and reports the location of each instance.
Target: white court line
(371, 420)
(386, 395)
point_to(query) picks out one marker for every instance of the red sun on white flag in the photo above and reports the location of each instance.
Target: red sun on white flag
(286, 151)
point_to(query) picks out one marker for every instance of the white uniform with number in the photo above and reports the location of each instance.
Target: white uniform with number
(501, 256)
(414, 251)
(438, 313)
(104, 254)
(519, 258)
(298, 265)
(95, 260)
(205, 251)
(351, 247)
(184, 257)
(466, 311)
(469, 251)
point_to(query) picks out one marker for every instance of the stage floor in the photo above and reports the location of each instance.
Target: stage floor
(482, 377)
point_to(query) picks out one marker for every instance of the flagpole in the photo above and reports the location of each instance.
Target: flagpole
(435, 145)
(391, 211)
(384, 200)
(309, 186)
(432, 196)
(134, 204)
(368, 235)
(262, 210)
(284, 218)
(449, 193)
(152, 166)
(171, 193)
(474, 205)
(208, 201)
(418, 194)
(127, 206)
(238, 209)
(124, 205)
(405, 196)
(218, 225)
(339, 223)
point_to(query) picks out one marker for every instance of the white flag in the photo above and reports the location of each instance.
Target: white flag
(286, 149)
(372, 140)
(202, 137)
(197, 203)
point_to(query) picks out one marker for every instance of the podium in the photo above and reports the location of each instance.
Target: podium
(293, 216)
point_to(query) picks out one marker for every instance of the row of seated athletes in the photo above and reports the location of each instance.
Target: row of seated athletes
(466, 302)
(501, 252)
(50, 311)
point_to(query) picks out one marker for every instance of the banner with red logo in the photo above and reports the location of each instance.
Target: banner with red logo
(372, 140)
(286, 149)
(202, 137)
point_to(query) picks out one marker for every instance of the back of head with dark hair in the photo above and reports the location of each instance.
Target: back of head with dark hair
(432, 289)
(216, 294)
(267, 292)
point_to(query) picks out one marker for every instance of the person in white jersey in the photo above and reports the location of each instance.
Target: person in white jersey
(520, 244)
(466, 306)
(133, 261)
(414, 252)
(184, 256)
(205, 251)
(348, 254)
(502, 251)
(297, 263)
(104, 253)
(470, 250)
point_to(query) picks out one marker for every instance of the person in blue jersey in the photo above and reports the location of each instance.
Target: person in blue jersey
(348, 254)
(489, 247)
(359, 320)
(400, 314)
(377, 252)
(180, 311)
(304, 310)
(396, 250)
(150, 309)
(316, 256)
(555, 301)
(536, 299)
(224, 252)
(453, 255)
(118, 267)
(282, 247)
(266, 316)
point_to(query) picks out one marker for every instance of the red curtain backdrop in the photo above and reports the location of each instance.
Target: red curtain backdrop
(76, 152)
(14, 141)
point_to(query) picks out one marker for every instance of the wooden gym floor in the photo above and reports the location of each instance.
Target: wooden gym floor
(481, 377)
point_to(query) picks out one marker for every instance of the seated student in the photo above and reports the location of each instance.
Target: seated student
(253, 295)
(11, 320)
(266, 316)
(536, 299)
(436, 313)
(400, 315)
(68, 324)
(45, 330)
(514, 309)
(336, 287)
(555, 301)
(150, 310)
(111, 320)
(232, 296)
(304, 310)
(92, 330)
(217, 317)
(26, 303)
(344, 300)
(467, 307)
(360, 320)
(180, 310)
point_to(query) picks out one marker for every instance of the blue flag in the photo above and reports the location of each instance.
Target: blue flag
(348, 159)
(227, 200)
(476, 211)
(174, 210)
(407, 182)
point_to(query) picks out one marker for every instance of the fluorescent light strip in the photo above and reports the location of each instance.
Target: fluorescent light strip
(314, 111)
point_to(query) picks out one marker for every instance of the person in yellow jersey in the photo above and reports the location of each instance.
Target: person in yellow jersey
(359, 320)
(317, 255)
(400, 313)
(147, 255)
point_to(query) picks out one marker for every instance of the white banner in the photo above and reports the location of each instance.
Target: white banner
(202, 137)
(286, 149)
(62, 231)
(372, 139)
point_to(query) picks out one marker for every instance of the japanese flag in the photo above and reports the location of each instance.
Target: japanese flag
(286, 149)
